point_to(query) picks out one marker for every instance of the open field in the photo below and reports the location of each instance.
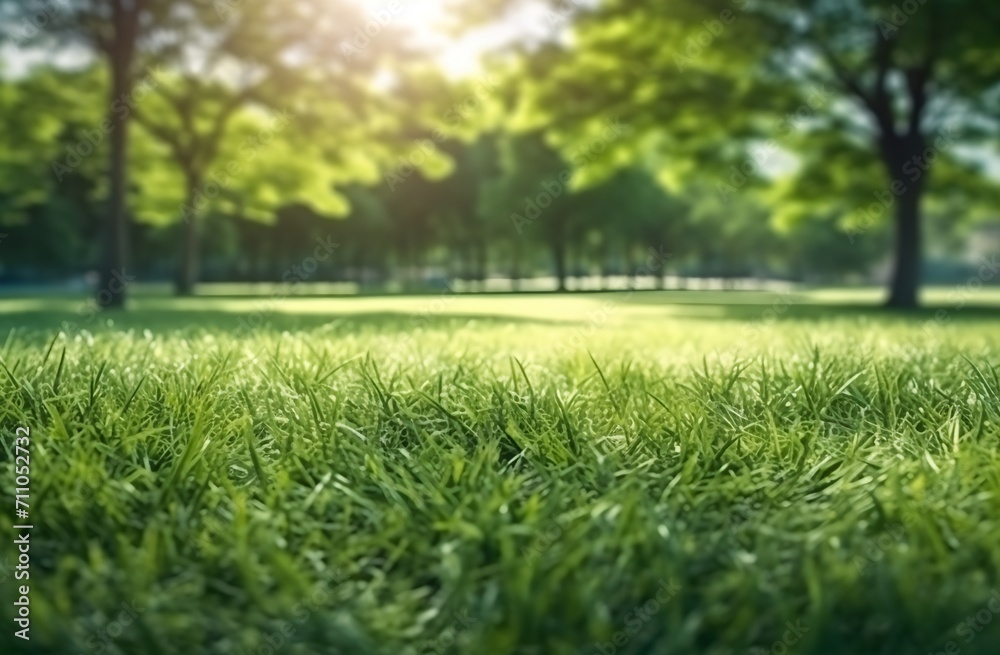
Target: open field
(592, 473)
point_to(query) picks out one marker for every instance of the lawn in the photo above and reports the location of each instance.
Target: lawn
(547, 474)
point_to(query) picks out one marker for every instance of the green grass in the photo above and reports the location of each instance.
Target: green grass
(541, 468)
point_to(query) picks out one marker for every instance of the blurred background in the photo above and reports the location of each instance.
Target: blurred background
(355, 147)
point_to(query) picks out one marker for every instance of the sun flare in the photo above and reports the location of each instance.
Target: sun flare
(428, 20)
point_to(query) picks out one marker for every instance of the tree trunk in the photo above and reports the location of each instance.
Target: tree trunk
(187, 274)
(253, 263)
(468, 262)
(559, 260)
(112, 289)
(515, 268)
(605, 268)
(904, 287)
(905, 284)
(481, 264)
(274, 256)
(631, 273)
(359, 266)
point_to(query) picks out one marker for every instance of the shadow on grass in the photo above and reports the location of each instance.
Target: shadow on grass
(237, 323)
(245, 315)
(825, 313)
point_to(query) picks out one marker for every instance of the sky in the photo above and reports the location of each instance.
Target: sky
(459, 56)
(426, 19)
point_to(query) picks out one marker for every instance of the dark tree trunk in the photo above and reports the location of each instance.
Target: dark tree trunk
(359, 267)
(904, 287)
(482, 256)
(559, 260)
(902, 153)
(274, 256)
(906, 189)
(112, 291)
(469, 263)
(253, 262)
(605, 267)
(631, 274)
(187, 273)
(420, 266)
(412, 256)
(515, 268)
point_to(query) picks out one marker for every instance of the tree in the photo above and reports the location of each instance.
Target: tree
(631, 210)
(47, 216)
(243, 60)
(263, 164)
(192, 123)
(364, 231)
(533, 191)
(730, 240)
(123, 33)
(907, 82)
(464, 224)
(26, 141)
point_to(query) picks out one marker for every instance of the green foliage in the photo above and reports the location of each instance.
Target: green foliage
(753, 118)
(818, 83)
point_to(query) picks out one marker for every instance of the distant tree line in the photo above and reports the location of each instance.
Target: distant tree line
(507, 210)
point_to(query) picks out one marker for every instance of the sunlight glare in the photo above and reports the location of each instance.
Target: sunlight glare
(427, 20)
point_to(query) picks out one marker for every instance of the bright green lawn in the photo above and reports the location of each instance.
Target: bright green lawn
(654, 473)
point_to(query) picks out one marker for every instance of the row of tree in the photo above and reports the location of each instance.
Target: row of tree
(214, 89)
(875, 99)
(506, 210)
(725, 113)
